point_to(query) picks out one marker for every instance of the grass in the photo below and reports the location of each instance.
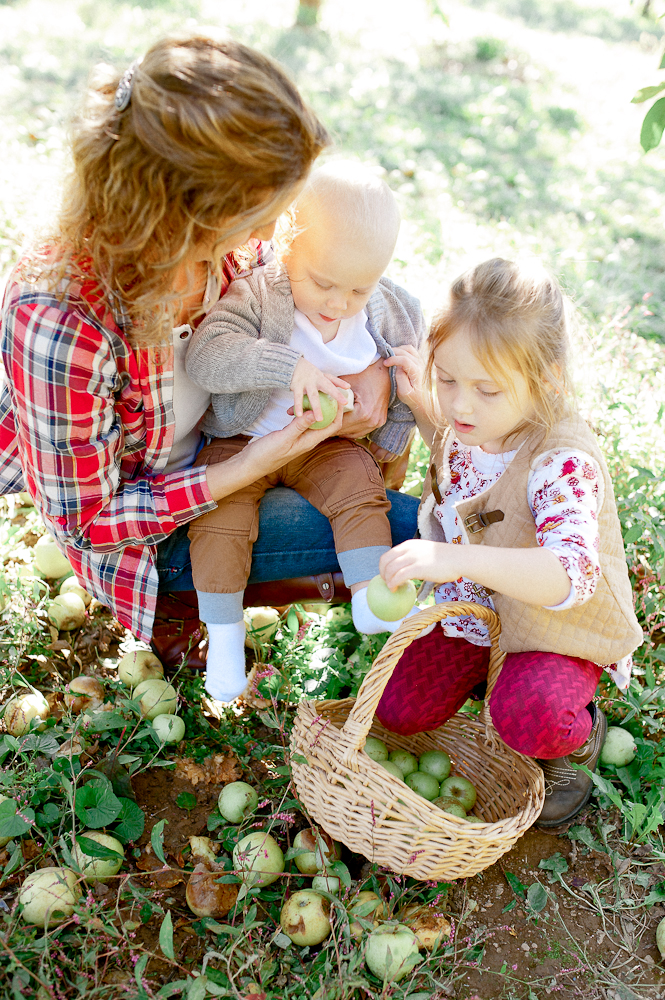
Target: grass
(504, 127)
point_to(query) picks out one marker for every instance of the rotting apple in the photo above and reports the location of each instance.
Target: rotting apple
(450, 805)
(206, 896)
(305, 918)
(367, 905)
(431, 928)
(390, 605)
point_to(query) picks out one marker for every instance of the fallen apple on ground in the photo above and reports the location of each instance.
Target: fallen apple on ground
(22, 708)
(156, 697)
(258, 859)
(96, 869)
(170, 728)
(367, 905)
(390, 605)
(619, 747)
(305, 918)
(391, 952)
(49, 560)
(48, 896)
(137, 666)
(237, 801)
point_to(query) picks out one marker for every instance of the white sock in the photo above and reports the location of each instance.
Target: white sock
(366, 621)
(225, 666)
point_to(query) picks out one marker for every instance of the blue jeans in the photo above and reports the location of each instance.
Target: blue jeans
(294, 540)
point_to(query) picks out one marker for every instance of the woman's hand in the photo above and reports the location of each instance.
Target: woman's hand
(418, 559)
(266, 454)
(372, 395)
(309, 379)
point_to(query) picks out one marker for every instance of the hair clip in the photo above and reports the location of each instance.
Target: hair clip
(123, 94)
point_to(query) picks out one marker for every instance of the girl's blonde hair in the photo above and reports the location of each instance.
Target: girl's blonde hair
(516, 318)
(215, 135)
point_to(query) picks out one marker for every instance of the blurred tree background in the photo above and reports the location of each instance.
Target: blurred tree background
(503, 126)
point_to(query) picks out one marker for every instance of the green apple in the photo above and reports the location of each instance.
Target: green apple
(367, 905)
(237, 801)
(261, 627)
(49, 559)
(392, 768)
(139, 665)
(328, 410)
(66, 612)
(99, 869)
(619, 747)
(390, 605)
(461, 789)
(48, 896)
(376, 749)
(170, 728)
(436, 763)
(258, 859)
(329, 883)
(474, 819)
(423, 784)
(406, 762)
(392, 951)
(305, 918)
(22, 708)
(660, 937)
(450, 805)
(156, 697)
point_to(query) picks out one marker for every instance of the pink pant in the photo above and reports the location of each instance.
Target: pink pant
(538, 705)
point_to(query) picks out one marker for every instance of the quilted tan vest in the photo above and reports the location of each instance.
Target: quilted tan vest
(602, 630)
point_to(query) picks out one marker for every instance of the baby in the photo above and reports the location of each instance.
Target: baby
(319, 309)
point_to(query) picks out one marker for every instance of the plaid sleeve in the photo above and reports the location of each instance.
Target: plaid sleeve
(80, 412)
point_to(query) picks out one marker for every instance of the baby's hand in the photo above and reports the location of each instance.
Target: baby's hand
(419, 559)
(310, 380)
(409, 373)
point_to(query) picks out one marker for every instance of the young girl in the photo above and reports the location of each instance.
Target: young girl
(517, 514)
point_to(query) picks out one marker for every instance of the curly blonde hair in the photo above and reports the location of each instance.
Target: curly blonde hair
(213, 138)
(516, 318)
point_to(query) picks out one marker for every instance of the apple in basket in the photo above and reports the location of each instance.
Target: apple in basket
(435, 762)
(376, 749)
(450, 805)
(406, 762)
(461, 789)
(423, 784)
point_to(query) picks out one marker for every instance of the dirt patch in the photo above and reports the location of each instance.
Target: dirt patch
(590, 940)
(158, 789)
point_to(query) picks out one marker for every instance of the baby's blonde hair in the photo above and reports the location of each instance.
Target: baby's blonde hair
(349, 197)
(516, 318)
(215, 134)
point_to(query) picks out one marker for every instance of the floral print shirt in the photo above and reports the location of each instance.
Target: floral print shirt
(563, 497)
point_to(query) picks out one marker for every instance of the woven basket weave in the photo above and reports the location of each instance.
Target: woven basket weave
(358, 802)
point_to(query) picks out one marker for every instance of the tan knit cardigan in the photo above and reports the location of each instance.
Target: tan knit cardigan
(604, 629)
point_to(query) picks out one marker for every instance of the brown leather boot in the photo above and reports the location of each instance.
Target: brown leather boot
(177, 632)
(568, 790)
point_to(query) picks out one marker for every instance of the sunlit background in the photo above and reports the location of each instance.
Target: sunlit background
(503, 126)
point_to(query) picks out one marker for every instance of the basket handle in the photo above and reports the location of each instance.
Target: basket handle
(359, 722)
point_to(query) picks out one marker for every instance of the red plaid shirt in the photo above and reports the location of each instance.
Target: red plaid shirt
(86, 427)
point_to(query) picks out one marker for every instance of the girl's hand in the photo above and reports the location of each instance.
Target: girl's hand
(418, 559)
(310, 380)
(409, 375)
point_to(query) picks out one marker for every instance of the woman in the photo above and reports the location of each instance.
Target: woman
(180, 171)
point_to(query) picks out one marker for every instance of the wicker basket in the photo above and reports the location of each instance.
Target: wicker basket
(358, 802)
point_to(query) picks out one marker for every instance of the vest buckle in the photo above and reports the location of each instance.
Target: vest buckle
(476, 522)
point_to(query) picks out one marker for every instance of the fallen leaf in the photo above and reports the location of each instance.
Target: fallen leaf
(219, 769)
